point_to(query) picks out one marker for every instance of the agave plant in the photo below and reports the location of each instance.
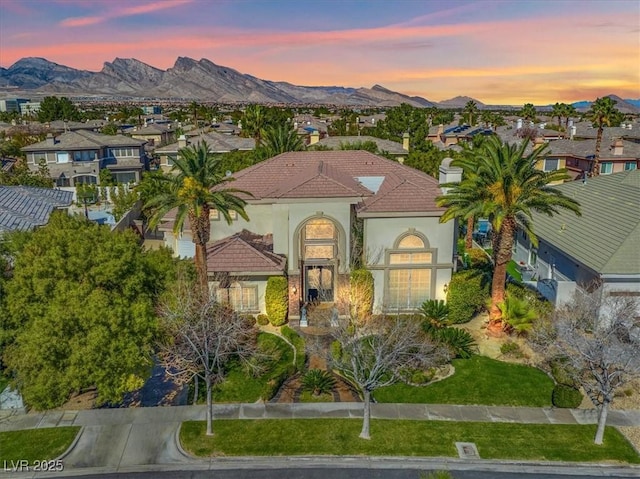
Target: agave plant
(318, 382)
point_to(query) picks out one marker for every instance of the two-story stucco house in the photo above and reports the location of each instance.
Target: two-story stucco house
(78, 156)
(312, 212)
(601, 246)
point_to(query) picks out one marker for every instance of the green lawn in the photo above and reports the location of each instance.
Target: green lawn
(36, 444)
(278, 437)
(479, 380)
(239, 386)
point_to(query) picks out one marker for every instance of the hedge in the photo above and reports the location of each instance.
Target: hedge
(566, 396)
(277, 300)
(467, 294)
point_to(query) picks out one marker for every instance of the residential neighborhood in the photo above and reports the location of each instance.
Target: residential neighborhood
(363, 242)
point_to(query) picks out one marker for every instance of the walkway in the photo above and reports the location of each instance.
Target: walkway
(146, 438)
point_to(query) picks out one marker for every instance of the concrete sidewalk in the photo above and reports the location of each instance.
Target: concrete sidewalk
(146, 438)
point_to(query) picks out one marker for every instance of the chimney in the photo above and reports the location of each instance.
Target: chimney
(405, 141)
(618, 147)
(573, 130)
(182, 141)
(538, 142)
(440, 129)
(50, 139)
(570, 123)
(449, 174)
(519, 123)
(314, 137)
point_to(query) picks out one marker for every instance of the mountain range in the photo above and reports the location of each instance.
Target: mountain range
(203, 80)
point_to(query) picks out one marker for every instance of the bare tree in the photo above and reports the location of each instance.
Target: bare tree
(202, 337)
(376, 353)
(597, 336)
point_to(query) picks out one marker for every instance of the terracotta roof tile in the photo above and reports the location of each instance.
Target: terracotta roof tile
(244, 252)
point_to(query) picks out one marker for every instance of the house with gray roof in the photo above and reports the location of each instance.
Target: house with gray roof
(602, 245)
(76, 157)
(312, 214)
(397, 150)
(23, 208)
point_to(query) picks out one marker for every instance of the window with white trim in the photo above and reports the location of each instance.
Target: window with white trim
(409, 274)
(606, 168)
(239, 297)
(630, 165)
(551, 164)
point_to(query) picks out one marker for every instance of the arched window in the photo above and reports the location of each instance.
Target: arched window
(410, 267)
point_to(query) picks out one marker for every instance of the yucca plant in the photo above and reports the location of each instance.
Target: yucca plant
(318, 382)
(459, 341)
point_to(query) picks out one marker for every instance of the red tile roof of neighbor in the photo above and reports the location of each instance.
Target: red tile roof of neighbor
(244, 252)
(334, 174)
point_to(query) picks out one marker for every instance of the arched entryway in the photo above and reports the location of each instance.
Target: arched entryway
(318, 254)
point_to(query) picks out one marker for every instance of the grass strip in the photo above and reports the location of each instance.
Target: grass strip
(36, 444)
(284, 437)
(481, 381)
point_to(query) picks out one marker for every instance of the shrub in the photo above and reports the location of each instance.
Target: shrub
(478, 259)
(435, 311)
(361, 294)
(277, 300)
(336, 350)
(511, 348)
(298, 343)
(318, 382)
(517, 314)
(467, 295)
(561, 373)
(566, 396)
(263, 319)
(536, 301)
(460, 342)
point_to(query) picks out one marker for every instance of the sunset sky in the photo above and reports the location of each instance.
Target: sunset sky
(498, 52)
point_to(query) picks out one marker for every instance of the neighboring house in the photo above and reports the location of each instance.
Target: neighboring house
(602, 245)
(155, 134)
(399, 151)
(453, 134)
(217, 142)
(315, 209)
(23, 208)
(78, 156)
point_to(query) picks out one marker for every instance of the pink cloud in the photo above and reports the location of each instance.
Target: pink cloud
(122, 12)
(81, 21)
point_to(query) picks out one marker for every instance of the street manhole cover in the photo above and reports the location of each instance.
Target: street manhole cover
(467, 450)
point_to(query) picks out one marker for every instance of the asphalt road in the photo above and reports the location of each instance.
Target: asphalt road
(336, 473)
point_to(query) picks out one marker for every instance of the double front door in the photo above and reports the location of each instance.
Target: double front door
(319, 283)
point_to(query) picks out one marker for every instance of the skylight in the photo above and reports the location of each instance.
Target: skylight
(371, 182)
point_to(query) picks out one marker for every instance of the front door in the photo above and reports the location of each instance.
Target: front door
(319, 281)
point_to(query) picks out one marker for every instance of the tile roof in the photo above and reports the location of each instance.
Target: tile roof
(244, 252)
(82, 140)
(326, 174)
(218, 143)
(25, 207)
(606, 237)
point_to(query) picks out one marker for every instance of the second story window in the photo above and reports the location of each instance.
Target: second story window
(606, 168)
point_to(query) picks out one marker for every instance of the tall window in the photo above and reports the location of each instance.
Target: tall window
(239, 297)
(410, 274)
(319, 240)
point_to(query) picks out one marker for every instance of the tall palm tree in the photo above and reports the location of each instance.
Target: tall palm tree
(196, 186)
(569, 112)
(507, 188)
(280, 139)
(558, 112)
(253, 121)
(470, 111)
(528, 112)
(603, 112)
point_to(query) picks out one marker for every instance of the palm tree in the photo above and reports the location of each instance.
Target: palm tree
(470, 111)
(280, 139)
(507, 188)
(253, 121)
(569, 112)
(558, 112)
(528, 112)
(602, 112)
(196, 186)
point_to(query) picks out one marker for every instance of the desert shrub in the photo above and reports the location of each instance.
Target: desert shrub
(277, 300)
(263, 319)
(318, 382)
(361, 294)
(511, 349)
(298, 343)
(460, 342)
(566, 396)
(467, 295)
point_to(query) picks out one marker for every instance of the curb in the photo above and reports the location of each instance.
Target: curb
(71, 446)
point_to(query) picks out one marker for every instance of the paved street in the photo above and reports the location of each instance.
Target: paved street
(145, 439)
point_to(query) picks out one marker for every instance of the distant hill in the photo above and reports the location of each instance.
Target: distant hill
(460, 102)
(625, 106)
(188, 79)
